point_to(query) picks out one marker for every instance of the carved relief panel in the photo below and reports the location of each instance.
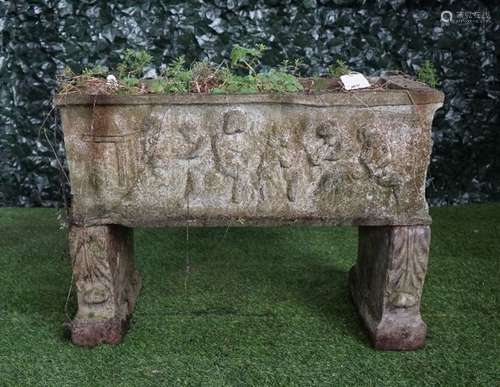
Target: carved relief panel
(259, 161)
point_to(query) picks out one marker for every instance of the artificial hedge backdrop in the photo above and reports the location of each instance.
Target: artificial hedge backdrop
(39, 38)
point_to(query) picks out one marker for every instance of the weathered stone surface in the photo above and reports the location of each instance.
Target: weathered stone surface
(336, 158)
(386, 284)
(106, 282)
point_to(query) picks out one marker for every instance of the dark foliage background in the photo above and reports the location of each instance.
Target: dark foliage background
(39, 38)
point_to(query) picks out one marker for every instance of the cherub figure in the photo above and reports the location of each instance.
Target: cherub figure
(376, 156)
(278, 170)
(234, 154)
(327, 157)
(194, 146)
(331, 146)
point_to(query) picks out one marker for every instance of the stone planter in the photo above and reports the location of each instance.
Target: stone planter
(338, 158)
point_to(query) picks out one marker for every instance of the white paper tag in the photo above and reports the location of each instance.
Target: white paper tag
(354, 81)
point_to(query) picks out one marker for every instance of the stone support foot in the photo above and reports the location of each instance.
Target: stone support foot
(106, 281)
(386, 284)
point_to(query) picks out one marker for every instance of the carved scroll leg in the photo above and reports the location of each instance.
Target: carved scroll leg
(386, 284)
(106, 281)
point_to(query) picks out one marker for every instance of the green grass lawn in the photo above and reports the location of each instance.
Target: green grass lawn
(259, 307)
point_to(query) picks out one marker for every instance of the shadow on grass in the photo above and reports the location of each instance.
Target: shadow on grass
(325, 292)
(279, 262)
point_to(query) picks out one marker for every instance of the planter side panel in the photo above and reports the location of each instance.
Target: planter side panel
(155, 164)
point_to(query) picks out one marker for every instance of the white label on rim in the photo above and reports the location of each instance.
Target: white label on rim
(354, 81)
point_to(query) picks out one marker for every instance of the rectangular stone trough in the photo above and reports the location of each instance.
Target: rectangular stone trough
(337, 158)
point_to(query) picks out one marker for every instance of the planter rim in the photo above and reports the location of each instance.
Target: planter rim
(358, 98)
(399, 90)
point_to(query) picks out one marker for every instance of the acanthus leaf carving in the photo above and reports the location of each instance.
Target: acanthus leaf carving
(91, 267)
(410, 248)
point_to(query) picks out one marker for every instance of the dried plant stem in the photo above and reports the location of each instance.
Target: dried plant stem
(188, 258)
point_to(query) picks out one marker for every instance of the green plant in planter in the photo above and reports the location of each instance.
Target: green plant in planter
(133, 63)
(232, 83)
(176, 78)
(287, 67)
(247, 59)
(338, 69)
(96, 71)
(428, 74)
(241, 75)
(278, 81)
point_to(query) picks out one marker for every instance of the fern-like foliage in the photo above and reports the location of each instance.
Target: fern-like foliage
(133, 63)
(428, 74)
